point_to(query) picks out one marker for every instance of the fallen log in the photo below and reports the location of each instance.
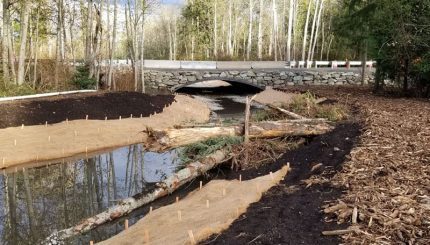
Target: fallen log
(173, 138)
(183, 176)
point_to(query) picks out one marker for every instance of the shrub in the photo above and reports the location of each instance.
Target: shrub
(9, 89)
(81, 78)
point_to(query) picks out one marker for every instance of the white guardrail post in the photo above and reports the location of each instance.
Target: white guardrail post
(226, 65)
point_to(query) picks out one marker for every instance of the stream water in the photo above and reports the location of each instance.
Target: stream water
(37, 201)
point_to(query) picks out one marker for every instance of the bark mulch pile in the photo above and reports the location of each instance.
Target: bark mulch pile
(76, 106)
(387, 178)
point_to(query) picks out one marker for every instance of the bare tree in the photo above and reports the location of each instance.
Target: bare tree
(313, 30)
(248, 51)
(23, 42)
(215, 30)
(317, 29)
(260, 32)
(290, 28)
(113, 44)
(5, 40)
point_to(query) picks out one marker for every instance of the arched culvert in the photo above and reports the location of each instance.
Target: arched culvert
(218, 85)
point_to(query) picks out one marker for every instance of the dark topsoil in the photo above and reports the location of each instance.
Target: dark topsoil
(76, 106)
(288, 213)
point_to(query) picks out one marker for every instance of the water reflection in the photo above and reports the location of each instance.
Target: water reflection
(38, 201)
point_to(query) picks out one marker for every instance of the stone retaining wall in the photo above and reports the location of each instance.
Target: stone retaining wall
(277, 78)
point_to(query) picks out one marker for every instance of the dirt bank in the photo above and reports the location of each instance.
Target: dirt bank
(290, 213)
(41, 143)
(76, 106)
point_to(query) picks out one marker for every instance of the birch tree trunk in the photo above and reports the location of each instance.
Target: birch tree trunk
(5, 42)
(142, 49)
(36, 44)
(22, 49)
(290, 28)
(248, 50)
(317, 29)
(230, 33)
(363, 62)
(260, 32)
(273, 47)
(215, 31)
(169, 33)
(174, 38)
(313, 30)
(113, 43)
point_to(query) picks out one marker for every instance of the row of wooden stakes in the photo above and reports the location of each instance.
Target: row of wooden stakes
(190, 232)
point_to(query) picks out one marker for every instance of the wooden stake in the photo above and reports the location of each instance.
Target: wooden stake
(240, 178)
(86, 117)
(179, 215)
(126, 224)
(120, 118)
(67, 121)
(191, 235)
(131, 115)
(105, 119)
(201, 184)
(354, 215)
(46, 123)
(141, 116)
(22, 126)
(207, 203)
(146, 236)
(150, 209)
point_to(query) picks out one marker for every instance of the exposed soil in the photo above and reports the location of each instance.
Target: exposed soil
(40, 143)
(290, 213)
(77, 106)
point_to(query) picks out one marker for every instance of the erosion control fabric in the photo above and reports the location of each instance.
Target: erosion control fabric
(200, 214)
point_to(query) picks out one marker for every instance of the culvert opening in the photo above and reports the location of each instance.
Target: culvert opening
(220, 87)
(226, 99)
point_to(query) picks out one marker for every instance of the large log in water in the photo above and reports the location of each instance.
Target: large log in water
(183, 176)
(172, 138)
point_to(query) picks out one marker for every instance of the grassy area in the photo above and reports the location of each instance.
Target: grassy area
(7, 90)
(305, 105)
(198, 150)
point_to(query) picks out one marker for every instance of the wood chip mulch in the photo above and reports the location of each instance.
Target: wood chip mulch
(387, 178)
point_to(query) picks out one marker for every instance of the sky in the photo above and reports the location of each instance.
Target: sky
(173, 1)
